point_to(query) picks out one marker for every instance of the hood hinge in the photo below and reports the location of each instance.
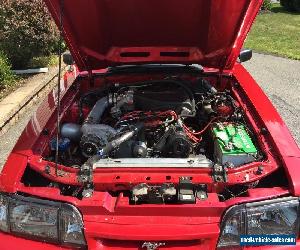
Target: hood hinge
(221, 70)
(220, 78)
(91, 78)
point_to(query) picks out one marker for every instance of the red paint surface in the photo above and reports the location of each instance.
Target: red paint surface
(278, 133)
(103, 33)
(110, 222)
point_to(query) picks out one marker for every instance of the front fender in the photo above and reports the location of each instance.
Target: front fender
(278, 133)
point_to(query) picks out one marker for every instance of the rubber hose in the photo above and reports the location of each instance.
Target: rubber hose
(96, 113)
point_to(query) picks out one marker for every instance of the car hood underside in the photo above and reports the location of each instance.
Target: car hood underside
(106, 33)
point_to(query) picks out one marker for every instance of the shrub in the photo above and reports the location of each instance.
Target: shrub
(267, 5)
(26, 31)
(291, 5)
(6, 75)
(284, 3)
(296, 5)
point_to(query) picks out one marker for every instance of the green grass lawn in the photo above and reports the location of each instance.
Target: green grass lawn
(276, 32)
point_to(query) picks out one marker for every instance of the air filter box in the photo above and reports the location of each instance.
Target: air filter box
(232, 144)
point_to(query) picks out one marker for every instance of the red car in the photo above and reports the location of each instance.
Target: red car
(164, 141)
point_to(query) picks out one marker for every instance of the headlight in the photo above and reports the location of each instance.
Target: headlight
(41, 220)
(271, 217)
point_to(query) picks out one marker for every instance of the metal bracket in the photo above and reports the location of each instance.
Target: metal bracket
(85, 176)
(88, 191)
(201, 192)
(219, 173)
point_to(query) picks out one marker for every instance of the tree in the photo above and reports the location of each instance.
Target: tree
(26, 31)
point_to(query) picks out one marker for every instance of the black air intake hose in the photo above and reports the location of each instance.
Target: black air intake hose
(96, 113)
(95, 94)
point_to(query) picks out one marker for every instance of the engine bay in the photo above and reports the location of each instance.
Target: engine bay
(167, 123)
(158, 119)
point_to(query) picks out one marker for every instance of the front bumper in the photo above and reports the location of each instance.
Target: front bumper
(186, 227)
(114, 224)
(111, 223)
(10, 242)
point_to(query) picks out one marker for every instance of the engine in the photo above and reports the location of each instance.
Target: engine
(159, 119)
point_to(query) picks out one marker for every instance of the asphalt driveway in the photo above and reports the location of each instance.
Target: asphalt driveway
(279, 77)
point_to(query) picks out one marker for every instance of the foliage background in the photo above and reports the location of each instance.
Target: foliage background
(6, 76)
(276, 32)
(26, 31)
(267, 5)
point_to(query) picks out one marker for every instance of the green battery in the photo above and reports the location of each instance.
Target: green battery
(232, 144)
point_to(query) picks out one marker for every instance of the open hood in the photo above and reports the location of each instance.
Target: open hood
(102, 33)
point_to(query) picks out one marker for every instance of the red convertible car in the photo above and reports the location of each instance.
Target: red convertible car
(163, 139)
